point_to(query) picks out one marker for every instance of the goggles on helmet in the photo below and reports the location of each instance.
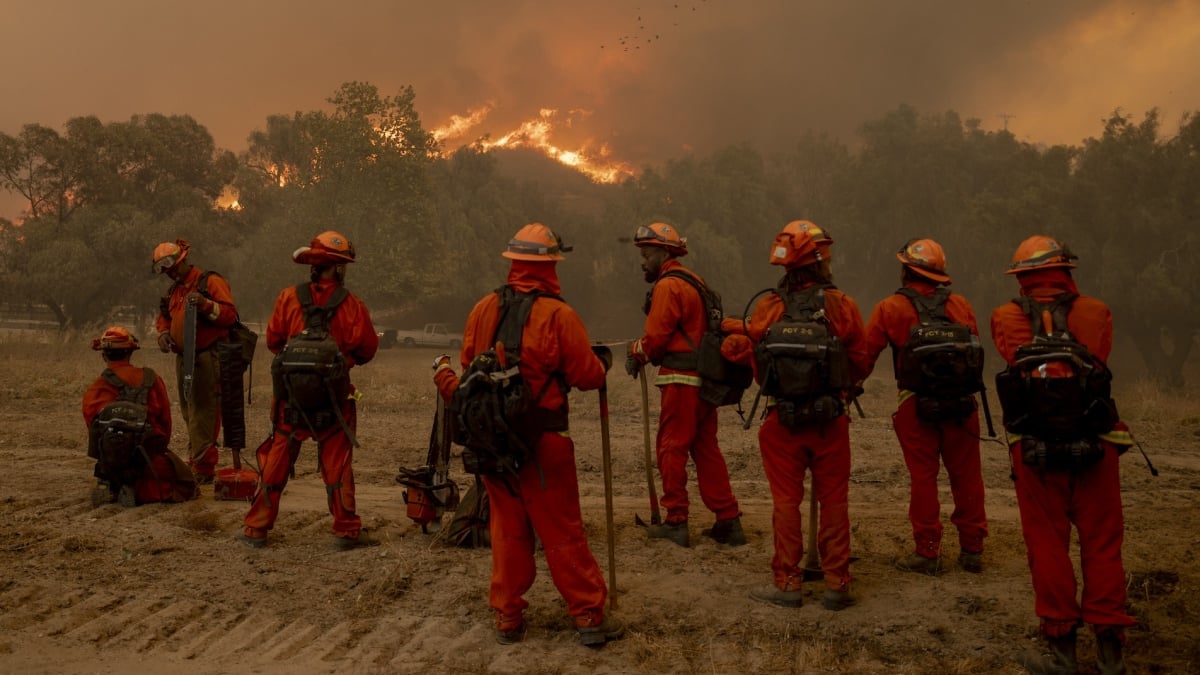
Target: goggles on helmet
(166, 262)
(1058, 255)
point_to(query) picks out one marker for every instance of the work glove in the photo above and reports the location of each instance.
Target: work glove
(604, 354)
(441, 359)
(632, 366)
(165, 343)
(203, 304)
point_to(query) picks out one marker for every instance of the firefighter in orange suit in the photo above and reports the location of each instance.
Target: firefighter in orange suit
(543, 498)
(687, 426)
(352, 330)
(215, 314)
(165, 477)
(1086, 494)
(948, 428)
(790, 441)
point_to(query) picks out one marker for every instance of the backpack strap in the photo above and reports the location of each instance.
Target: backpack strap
(806, 305)
(125, 392)
(1058, 308)
(515, 308)
(318, 317)
(202, 288)
(930, 308)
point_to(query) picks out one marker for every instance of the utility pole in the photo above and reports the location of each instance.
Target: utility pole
(1006, 117)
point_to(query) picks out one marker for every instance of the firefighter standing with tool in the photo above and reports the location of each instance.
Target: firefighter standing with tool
(319, 331)
(676, 318)
(128, 415)
(191, 321)
(542, 498)
(938, 363)
(805, 340)
(1066, 440)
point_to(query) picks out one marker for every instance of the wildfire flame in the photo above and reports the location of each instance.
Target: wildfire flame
(594, 161)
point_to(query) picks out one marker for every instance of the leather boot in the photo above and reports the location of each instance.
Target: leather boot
(1060, 660)
(1109, 659)
(674, 532)
(728, 531)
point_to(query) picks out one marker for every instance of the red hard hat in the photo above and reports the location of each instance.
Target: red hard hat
(169, 254)
(115, 337)
(1041, 252)
(535, 242)
(926, 258)
(663, 236)
(800, 243)
(327, 248)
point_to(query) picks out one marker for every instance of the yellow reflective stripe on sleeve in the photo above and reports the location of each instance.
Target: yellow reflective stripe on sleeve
(1117, 437)
(903, 395)
(677, 378)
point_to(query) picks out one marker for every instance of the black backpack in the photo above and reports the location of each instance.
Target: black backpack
(942, 361)
(494, 415)
(722, 381)
(1056, 389)
(310, 373)
(121, 437)
(804, 364)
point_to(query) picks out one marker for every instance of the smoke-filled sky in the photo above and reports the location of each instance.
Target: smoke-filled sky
(653, 79)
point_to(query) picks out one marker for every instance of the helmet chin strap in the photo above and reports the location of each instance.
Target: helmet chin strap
(327, 271)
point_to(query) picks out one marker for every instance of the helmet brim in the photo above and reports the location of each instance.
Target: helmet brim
(307, 255)
(937, 277)
(532, 257)
(1048, 266)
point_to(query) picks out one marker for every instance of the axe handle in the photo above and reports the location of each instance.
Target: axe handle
(655, 516)
(812, 560)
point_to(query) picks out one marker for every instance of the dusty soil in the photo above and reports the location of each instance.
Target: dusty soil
(167, 588)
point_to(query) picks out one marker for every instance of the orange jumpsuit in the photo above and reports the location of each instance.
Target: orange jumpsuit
(1051, 502)
(156, 481)
(921, 441)
(544, 497)
(823, 449)
(355, 335)
(687, 426)
(202, 414)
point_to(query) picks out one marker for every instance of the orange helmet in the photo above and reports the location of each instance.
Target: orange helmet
(1041, 252)
(535, 242)
(800, 243)
(662, 235)
(327, 248)
(169, 254)
(926, 258)
(115, 337)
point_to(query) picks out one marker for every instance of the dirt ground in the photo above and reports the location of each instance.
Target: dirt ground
(168, 589)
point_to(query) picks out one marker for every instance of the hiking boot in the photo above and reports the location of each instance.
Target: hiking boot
(126, 497)
(252, 542)
(596, 636)
(511, 636)
(363, 539)
(727, 531)
(1060, 660)
(915, 562)
(102, 494)
(774, 596)
(836, 601)
(1109, 660)
(674, 532)
(971, 562)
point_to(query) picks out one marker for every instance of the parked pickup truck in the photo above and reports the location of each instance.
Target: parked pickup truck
(434, 335)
